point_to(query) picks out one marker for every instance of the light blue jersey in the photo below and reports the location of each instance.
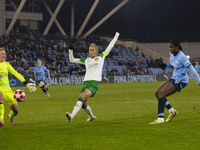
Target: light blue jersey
(40, 72)
(180, 64)
(197, 67)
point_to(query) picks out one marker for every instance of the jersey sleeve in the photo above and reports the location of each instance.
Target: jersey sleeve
(15, 73)
(194, 72)
(111, 44)
(169, 65)
(185, 61)
(102, 54)
(35, 69)
(48, 73)
(74, 60)
(83, 59)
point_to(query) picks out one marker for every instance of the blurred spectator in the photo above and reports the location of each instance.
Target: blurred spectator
(23, 53)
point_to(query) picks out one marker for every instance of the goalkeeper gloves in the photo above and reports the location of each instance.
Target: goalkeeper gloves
(163, 66)
(1, 76)
(30, 86)
(71, 47)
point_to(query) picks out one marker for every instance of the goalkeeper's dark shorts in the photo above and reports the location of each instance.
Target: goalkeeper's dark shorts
(91, 85)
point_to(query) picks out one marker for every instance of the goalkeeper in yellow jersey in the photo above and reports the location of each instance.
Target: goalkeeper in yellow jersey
(6, 93)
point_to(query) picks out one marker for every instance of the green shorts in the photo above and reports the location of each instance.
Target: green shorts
(91, 85)
(8, 96)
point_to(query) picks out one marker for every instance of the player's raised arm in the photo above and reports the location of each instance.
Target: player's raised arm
(111, 44)
(71, 57)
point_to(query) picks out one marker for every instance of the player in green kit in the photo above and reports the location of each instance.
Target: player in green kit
(94, 66)
(6, 93)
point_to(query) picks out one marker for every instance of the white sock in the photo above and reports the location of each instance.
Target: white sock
(76, 109)
(171, 109)
(89, 111)
(161, 118)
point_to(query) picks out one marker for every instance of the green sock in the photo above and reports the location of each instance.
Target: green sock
(1, 111)
(80, 99)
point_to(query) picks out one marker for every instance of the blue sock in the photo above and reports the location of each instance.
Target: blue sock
(161, 107)
(43, 89)
(167, 105)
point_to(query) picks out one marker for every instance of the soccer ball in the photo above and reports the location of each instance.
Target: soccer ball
(19, 95)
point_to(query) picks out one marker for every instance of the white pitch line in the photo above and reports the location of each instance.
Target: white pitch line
(149, 101)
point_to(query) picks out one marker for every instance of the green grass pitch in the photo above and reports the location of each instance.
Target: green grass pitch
(123, 112)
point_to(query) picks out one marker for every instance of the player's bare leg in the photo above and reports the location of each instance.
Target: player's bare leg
(81, 102)
(1, 110)
(14, 111)
(86, 94)
(44, 88)
(1, 124)
(12, 121)
(166, 89)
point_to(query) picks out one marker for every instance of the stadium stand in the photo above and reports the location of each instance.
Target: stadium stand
(22, 54)
(189, 48)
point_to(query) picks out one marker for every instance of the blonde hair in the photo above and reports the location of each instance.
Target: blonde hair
(94, 45)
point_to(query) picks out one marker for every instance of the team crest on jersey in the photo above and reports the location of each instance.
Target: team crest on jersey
(96, 59)
(176, 82)
(177, 61)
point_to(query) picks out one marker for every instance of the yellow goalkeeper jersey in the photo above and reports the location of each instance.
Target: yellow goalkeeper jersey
(6, 68)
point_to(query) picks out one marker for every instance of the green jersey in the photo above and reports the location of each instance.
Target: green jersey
(94, 67)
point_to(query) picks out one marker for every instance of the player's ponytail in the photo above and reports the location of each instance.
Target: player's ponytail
(176, 43)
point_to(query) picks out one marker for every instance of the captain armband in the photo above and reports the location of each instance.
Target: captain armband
(106, 53)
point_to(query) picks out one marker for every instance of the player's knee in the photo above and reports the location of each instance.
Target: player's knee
(84, 96)
(41, 86)
(161, 95)
(15, 108)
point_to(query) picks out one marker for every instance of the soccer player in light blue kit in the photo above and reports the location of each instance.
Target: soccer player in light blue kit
(197, 67)
(179, 80)
(40, 75)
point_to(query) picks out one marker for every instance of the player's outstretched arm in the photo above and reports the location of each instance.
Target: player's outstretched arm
(194, 72)
(71, 57)
(30, 86)
(111, 44)
(163, 65)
